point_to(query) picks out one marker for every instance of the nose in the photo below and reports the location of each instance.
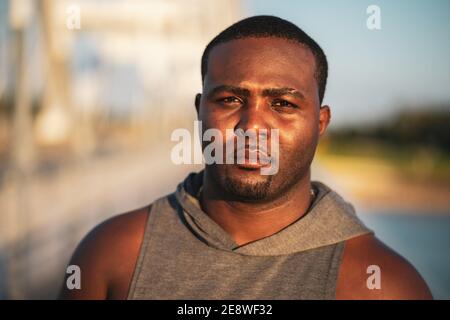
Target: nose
(252, 116)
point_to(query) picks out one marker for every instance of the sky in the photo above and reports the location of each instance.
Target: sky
(372, 73)
(375, 73)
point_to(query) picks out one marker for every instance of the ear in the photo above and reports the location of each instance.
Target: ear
(324, 119)
(198, 97)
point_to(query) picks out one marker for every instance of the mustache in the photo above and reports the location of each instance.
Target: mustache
(256, 151)
(261, 150)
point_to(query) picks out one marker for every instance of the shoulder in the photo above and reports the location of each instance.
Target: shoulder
(107, 256)
(371, 270)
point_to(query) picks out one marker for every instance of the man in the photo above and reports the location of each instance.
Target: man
(230, 232)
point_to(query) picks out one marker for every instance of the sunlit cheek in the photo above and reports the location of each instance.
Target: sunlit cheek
(296, 141)
(214, 117)
(222, 129)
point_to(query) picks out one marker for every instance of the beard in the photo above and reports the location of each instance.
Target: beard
(248, 189)
(250, 186)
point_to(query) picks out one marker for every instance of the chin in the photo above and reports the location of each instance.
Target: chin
(245, 184)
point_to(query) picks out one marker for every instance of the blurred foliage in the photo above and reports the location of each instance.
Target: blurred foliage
(415, 141)
(408, 128)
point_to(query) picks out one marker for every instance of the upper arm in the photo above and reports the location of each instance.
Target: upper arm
(398, 278)
(107, 257)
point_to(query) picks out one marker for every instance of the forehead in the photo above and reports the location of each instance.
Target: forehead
(262, 61)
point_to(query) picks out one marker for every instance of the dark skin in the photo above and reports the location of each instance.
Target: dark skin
(236, 95)
(108, 255)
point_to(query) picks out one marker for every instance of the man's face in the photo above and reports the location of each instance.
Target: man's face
(263, 83)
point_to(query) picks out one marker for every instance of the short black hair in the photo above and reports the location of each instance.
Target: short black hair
(271, 26)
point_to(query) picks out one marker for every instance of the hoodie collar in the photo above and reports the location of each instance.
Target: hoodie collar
(329, 220)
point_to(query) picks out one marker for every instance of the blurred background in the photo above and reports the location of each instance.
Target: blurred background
(90, 91)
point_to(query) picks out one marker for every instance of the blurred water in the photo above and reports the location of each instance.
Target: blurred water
(423, 239)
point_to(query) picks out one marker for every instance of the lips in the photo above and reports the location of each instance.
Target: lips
(252, 154)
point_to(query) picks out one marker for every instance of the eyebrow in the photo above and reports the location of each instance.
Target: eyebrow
(278, 92)
(268, 92)
(233, 89)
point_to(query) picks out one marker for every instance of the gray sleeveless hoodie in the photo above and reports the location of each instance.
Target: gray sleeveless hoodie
(186, 255)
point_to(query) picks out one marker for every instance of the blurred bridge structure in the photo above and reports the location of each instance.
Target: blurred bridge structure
(86, 113)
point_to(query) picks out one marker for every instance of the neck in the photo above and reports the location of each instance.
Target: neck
(247, 222)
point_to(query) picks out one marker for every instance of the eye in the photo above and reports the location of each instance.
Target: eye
(280, 103)
(229, 100)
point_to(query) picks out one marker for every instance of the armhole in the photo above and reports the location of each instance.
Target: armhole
(333, 271)
(142, 251)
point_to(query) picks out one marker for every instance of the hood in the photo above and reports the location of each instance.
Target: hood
(329, 220)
